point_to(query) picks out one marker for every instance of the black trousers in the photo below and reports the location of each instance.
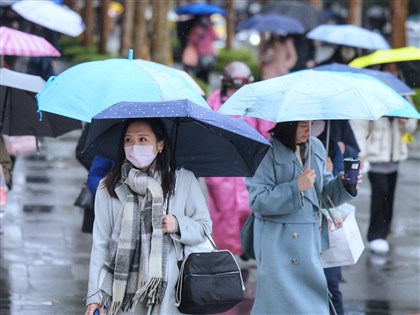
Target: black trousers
(382, 204)
(333, 276)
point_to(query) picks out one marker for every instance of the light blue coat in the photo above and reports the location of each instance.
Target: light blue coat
(288, 233)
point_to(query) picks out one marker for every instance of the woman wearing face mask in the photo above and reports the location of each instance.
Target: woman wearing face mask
(289, 230)
(145, 210)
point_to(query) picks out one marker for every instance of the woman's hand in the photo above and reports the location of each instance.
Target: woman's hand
(92, 307)
(306, 180)
(169, 224)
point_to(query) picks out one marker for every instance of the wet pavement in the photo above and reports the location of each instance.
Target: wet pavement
(45, 256)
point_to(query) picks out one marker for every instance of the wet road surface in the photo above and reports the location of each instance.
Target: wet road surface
(45, 256)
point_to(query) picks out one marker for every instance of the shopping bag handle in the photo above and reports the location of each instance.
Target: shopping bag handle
(321, 201)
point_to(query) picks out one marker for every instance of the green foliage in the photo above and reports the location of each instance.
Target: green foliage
(89, 56)
(203, 85)
(67, 41)
(416, 99)
(73, 51)
(247, 56)
(176, 49)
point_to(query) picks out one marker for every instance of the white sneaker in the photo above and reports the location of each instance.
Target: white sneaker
(379, 246)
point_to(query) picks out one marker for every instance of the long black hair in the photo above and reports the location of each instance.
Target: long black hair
(165, 162)
(285, 132)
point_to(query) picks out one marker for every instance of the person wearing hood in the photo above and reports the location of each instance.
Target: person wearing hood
(227, 196)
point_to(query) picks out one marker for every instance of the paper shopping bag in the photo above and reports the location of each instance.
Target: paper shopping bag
(346, 244)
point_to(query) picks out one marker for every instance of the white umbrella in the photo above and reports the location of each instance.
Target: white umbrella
(47, 13)
(21, 81)
(349, 35)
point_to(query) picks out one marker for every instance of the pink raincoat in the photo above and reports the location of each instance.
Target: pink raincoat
(228, 197)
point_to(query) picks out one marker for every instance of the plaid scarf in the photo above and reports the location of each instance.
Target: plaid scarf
(136, 266)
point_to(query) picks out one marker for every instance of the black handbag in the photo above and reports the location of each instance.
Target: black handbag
(209, 283)
(247, 237)
(85, 199)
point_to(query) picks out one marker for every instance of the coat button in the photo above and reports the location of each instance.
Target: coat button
(295, 261)
(295, 234)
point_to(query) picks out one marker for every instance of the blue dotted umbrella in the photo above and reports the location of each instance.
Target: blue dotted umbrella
(204, 142)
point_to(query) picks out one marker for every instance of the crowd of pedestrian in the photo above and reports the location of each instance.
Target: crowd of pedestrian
(146, 210)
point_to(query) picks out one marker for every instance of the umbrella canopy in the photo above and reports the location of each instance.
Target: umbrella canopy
(407, 59)
(389, 79)
(204, 142)
(17, 43)
(349, 35)
(47, 13)
(314, 95)
(302, 11)
(84, 90)
(192, 81)
(273, 23)
(18, 110)
(200, 9)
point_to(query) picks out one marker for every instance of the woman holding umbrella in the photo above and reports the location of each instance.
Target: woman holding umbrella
(289, 231)
(145, 212)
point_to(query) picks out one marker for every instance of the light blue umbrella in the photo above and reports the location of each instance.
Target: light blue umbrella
(388, 78)
(84, 90)
(349, 35)
(315, 95)
(407, 112)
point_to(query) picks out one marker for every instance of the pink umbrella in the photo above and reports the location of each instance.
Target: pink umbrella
(17, 43)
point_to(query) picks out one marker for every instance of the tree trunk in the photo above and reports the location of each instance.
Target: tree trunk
(141, 44)
(355, 12)
(316, 3)
(73, 4)
(230, 23)
(104, 27)
(161, 52)
(127, 25)
(399, 11)
(89, 19)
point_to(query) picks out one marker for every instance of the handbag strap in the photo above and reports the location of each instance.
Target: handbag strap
(205, 233)
(180, 281)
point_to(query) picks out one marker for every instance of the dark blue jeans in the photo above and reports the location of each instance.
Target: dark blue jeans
(333, 276)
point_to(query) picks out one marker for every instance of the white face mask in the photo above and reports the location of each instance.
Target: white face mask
(140, 156)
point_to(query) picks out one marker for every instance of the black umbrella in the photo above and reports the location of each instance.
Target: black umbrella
(18, 108)
(307, 14)
(204, 142)
(273, 23)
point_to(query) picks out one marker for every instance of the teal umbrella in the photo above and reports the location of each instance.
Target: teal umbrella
(84, 90)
